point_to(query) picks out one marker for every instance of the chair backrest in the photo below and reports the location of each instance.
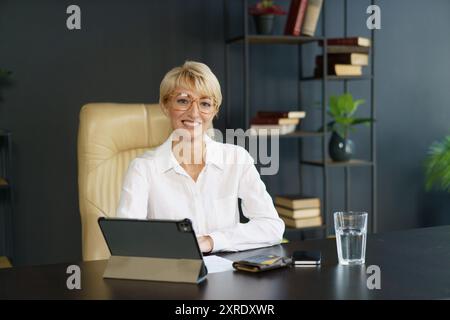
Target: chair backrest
(110, 135)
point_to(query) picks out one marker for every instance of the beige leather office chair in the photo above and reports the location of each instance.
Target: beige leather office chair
(110, 135)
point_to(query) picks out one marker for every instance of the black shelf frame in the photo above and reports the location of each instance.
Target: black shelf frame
(338, 78)
(343, 164)
(273, 39)
(295, 134)
(6, 191)
(324, 163)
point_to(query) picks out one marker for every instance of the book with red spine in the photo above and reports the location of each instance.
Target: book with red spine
(281, 114)
(339, 70)
(347, 49)
(272, 129)
(357, 59)
(267, 120)
(352, 41)
(294, 22)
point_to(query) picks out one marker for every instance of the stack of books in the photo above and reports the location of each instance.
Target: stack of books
(346, 56)
(303, 17)
(275, 122)
(298, 211)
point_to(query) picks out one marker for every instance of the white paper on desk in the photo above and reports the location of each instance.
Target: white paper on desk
(218, 264)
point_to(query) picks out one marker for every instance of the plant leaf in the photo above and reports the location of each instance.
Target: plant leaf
(341, 108)
(356, 104)
(356, 121)
(334, 109)
(344, 121)
(437, 166)
(348, 103)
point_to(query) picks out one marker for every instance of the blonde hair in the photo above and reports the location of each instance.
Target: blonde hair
(193, 76)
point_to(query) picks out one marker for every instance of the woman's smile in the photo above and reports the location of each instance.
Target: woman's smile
(191, 123)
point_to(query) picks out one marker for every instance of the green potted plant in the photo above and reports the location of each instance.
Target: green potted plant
(342, 110)
(264, 13)
(437, 166)
(437, 183)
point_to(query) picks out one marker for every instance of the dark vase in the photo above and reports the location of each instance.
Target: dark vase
(264, 23)
(340, 149)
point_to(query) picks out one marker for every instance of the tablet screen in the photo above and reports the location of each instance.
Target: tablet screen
(150, 238)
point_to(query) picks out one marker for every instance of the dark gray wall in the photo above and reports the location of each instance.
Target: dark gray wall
(121, 54)
(124, 49)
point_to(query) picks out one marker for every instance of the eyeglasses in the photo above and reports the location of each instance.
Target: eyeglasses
(184, 101)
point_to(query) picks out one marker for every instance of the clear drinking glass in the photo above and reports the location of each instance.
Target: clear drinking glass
(351, 234)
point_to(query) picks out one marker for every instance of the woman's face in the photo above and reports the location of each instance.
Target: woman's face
(190, 111)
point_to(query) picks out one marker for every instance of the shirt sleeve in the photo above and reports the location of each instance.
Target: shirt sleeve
(265, 228)
(133, 201)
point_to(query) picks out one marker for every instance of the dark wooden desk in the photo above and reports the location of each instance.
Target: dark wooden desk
(415, 264)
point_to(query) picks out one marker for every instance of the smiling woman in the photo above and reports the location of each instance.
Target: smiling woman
(192, 176)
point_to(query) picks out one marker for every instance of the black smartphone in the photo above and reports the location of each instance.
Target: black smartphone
(310, 258)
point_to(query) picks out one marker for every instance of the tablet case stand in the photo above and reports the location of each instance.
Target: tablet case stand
(156, 269)
(179, 261)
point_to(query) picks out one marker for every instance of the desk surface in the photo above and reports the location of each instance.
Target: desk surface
(415, 264)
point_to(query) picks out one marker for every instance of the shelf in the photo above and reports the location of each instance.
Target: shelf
(302, 134)
(277, 39)
(331, 163)
(338, 78)
(304, 75)
(295, 134)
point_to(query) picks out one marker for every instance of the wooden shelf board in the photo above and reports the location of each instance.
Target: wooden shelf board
(331, 163)
(295, 134)
(302, 134)
(338, 78)
(274, 39)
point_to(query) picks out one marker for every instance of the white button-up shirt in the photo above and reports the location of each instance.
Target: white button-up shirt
(157, 187)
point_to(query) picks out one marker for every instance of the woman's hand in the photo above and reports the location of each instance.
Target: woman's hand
(205, 243)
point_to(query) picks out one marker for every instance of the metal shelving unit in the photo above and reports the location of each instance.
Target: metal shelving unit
(324, 163)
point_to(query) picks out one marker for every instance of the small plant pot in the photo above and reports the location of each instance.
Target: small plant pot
(340, 149)
(264, 23)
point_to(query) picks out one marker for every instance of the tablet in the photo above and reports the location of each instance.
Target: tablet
(169, 239)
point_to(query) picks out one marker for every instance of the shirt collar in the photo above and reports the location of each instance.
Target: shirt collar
(166, 160)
